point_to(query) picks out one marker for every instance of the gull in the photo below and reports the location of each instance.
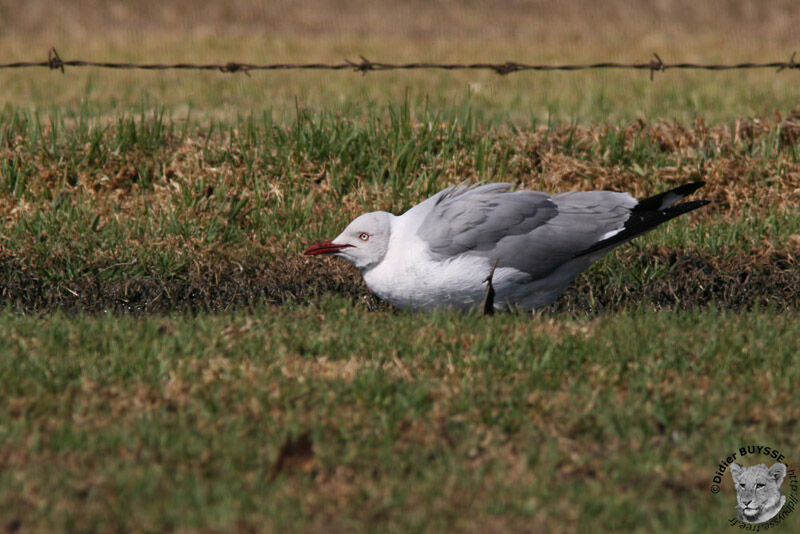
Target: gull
(516, 249)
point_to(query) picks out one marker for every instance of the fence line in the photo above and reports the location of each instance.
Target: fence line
(54, 62)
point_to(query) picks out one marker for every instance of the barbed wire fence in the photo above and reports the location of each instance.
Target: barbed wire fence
(54, 62)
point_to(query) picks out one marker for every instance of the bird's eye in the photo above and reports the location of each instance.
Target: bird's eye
(364, 236)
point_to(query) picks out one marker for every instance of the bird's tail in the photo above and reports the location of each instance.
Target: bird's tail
(650, 213)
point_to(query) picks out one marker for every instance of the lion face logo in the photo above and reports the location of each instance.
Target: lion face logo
(758, 494)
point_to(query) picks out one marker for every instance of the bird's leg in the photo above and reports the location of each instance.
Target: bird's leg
(488, 298)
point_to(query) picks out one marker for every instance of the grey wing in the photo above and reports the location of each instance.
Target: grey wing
(526, 230)
(474, 219)
(584, 219)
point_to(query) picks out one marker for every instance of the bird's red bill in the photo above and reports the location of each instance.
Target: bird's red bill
(324, 247)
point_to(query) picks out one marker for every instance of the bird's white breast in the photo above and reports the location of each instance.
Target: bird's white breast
(415, 281)
(409, 277)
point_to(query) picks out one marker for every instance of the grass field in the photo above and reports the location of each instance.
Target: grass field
(393, 422)
(169, 361)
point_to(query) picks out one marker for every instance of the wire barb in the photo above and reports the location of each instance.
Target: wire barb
(655, 65)
(364, 66)
(506, 68)
(235, 67)
(791, 64)
(54, 60)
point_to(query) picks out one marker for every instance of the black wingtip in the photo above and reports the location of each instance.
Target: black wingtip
(668, 198)
(644, 220)
(684, 207)
(688, 189)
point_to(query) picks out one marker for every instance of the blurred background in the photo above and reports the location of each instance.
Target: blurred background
(530, 31)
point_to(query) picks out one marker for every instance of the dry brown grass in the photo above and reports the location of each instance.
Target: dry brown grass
(748, 165)
(738, 178)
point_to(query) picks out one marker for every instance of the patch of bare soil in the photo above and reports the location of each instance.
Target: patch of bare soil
(739, 283)
(691, 280)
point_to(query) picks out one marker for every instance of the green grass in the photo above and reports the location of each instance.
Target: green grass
(328, 412)
(417, 422)
(585, 420)
(81, 194)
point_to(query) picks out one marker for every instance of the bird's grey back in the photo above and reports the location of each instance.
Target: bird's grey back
(527, 230)
(475, 218)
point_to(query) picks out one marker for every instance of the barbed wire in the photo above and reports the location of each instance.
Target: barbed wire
(364, 66)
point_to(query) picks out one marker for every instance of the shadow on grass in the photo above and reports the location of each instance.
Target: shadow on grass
(683, 281)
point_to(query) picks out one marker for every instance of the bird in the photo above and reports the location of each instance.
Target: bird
(492, 245)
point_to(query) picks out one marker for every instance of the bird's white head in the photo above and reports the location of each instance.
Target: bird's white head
(363, 243)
